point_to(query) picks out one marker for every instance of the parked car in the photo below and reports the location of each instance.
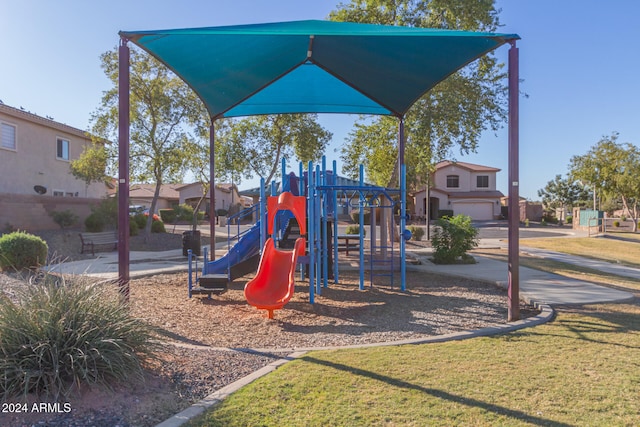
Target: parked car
(136, 209)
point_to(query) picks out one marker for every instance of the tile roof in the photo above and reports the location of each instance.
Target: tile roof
(468, 166)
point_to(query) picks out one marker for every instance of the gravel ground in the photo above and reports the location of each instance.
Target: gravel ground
(206, 340)
(65, 245)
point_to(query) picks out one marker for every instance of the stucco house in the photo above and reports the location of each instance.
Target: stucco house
(226, 195)
(35, 157)
(463, 188)
(178, 194)
(142, 195)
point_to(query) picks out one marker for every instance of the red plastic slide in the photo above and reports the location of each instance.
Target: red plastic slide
(274, 283)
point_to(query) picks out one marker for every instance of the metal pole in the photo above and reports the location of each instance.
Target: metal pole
(403, 208)
(212, 189)
(311, 233)
(317, 212)
(325, 232)
(335, 223)
(403, 224)
(123, 168)
(263, 214)
(361, 205)
(427, 213)
(283, 170)
(514, 196)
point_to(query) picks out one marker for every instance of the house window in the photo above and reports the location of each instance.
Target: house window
(482, 181)
(7, 136)
(453, 181)
(62, 152)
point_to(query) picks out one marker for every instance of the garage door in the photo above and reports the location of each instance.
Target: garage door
(477, 211)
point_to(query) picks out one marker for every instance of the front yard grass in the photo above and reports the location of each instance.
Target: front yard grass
(626, 252)
(580, 369)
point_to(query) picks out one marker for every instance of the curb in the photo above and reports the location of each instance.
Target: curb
(198, 408)
(219, 395)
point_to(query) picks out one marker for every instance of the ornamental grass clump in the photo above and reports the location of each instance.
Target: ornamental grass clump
(60, 334)
(452, 238)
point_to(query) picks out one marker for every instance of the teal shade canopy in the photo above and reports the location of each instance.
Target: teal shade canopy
(313, 66)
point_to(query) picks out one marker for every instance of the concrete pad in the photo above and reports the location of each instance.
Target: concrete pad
(535, 286)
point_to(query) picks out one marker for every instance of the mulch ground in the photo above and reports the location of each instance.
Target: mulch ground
(206, 340)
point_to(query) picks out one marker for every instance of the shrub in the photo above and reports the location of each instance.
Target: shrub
(107, 210)
(168, 216)
(140, 220)
(416, 232)
(452, 238)
(20, 250)
(63, 333)
(64, 219)
(158, 227)
(184, 212)
(616, 223)
(354, 229)
(133, 228)
(94, 223)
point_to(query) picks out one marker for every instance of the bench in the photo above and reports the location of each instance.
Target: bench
(355, 238)
(91, 240)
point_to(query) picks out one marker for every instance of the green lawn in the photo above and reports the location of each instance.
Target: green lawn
(583, 368)
(568, 270)
(612, 249)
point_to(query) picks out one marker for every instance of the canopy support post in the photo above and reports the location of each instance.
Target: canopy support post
(514, 196)
(403, 207)
(123, 168)
(212, 190)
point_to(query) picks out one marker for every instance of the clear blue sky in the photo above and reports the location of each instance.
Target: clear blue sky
(579, 60)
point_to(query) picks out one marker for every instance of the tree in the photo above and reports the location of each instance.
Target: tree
(91, 166)
(162, 109)
(256, 145)
(613, 168)
(563, 193)
(452, 114)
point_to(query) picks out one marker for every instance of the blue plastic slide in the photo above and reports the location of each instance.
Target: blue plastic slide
(247, 246)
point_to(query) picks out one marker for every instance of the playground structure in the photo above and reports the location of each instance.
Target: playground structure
(334, 67)
(307, 209)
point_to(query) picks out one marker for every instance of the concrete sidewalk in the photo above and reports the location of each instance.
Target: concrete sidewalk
(536, 287)
(607, 267)
(141, 264)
